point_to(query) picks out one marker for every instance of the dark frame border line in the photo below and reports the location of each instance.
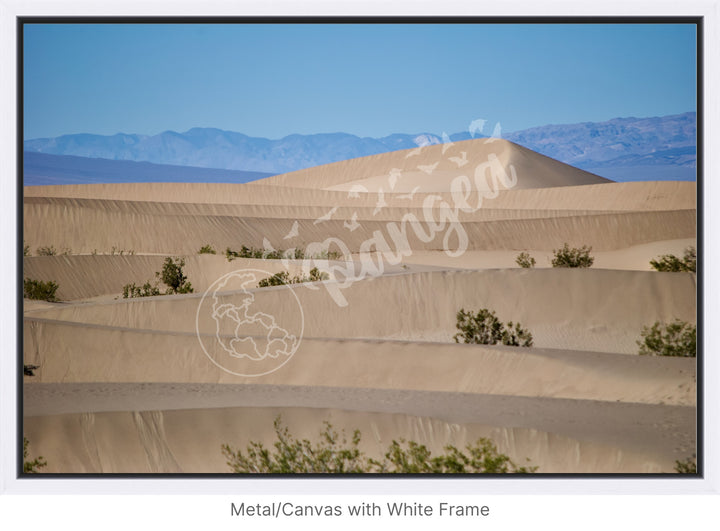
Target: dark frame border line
(698, 21)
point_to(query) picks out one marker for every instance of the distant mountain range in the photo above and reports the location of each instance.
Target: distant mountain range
(660, 148)
(620, 149)
(44, 169)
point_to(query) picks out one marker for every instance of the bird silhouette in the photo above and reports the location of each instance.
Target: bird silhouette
(460, 161)
(496, 134)
(476, 126)
(395, 174)
(414, 152)
(353, 223)
(410, 195)
(429, 168)
(447, 143)
(293, 232)
(325, 217)
(356, 190)
(380, 202)
(267, 246)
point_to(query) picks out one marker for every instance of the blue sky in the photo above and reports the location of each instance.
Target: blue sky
(369, 80)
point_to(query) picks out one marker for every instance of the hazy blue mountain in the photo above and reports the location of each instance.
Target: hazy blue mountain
(642, 172)
(666, 143)
(616, 142)
(41, 168)
(214, 148)
(678, 156)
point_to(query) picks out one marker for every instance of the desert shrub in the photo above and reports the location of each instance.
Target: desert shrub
(31, 467)
(688, 466)
(297, 254)
(575, 257)
(316, 275)
(333, 455)
(525, 260)
(206, 249)
(46, 251)
(116, 250)
(516, 336)
(278, 279)
(330, 455)
(253, 252)
(670, 262)
(327, 255)
(279, 254)
(173, 276)
(283, 277)
(485, 328)
(244, 252)
(40, 290)
(26, 249)
(146, 290)
(678, 339)
(29, 370)
(482, 457)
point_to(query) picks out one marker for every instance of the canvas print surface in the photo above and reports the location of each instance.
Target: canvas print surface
(360, 248)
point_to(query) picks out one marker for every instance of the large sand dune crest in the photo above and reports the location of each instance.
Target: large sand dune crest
(433, 167)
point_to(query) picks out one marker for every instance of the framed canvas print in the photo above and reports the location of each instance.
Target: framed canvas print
(338, 246)
(324, 253)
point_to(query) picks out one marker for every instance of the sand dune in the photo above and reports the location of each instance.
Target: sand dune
(172, 441)
(601, 310)
(140, 356)
(433, 167)
(185, 234)
(635, 258)
(363, 211)
(88, 276)
(130, 386)
(655, 195)
(180, 218)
